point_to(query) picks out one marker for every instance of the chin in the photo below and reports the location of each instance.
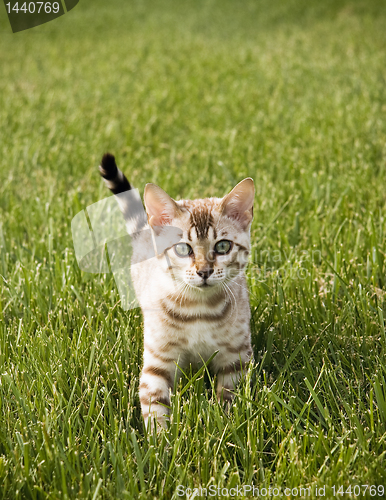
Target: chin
(207, 287)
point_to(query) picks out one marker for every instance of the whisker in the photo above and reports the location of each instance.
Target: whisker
(233, 304)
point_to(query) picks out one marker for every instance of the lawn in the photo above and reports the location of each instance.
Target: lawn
(194, 96)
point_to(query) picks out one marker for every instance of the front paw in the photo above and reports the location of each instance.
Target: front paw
(154, 420)
(225, 397)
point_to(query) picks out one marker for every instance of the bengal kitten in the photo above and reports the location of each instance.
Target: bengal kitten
(193, 295)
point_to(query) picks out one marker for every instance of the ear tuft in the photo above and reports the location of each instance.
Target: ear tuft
(238, 204)
(160, 207)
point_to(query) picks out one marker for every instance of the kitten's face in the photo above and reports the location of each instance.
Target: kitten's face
(213, 248)
(215, 242)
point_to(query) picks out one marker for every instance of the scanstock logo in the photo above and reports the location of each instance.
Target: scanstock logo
(25, 15)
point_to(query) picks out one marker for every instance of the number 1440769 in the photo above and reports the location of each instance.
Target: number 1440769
(32, 7)
(359, 490)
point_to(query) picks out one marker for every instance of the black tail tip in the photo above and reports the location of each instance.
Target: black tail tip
(108, 168)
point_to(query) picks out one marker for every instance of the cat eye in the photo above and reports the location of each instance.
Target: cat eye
(223, 247)
(183, 249)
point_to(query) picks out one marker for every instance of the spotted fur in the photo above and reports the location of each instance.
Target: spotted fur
(195, 305)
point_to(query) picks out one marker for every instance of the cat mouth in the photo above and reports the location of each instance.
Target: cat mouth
(205, 285)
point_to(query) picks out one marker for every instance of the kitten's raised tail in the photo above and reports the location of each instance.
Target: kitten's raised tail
(114, 179)
(130, 203)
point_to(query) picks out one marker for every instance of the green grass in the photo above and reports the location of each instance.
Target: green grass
(194, 96)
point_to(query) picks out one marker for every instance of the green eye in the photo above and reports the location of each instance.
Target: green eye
(183, 249)
(222, 247)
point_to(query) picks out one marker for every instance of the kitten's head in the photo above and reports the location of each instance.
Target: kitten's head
(215, 234)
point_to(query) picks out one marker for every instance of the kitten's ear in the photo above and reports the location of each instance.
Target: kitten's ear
(160, 208)
(238, 204)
